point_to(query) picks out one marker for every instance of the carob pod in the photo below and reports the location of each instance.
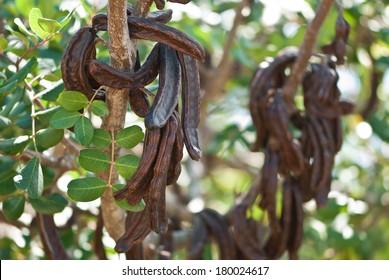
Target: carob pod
(111, 77)
(139, 102)
(278, 241)
(191, 98)
(156, 198)
(297, 230)
(199, 240)
(138, 185)
(81, 47)
(174, 170)
(50, 236)
(218, 227)
(148, 29)
(137, 228)
(339, 44)
(166, 99)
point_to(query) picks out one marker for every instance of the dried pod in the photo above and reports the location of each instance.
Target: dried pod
(139, 102)
(156, 199)
(111, 77)
(137, 228)
(163, 16)
(174, 170)
(148, 29)
(218, 227)
(199, 240)
(81, 47)
(191, 99)
(166, 98)
(180, 1)
(138, 185)
(297, 230)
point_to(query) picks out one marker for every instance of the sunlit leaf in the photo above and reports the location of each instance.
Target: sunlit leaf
(3, 44)
(101, 138)
(86, 189)
(99, 108)
(30, 178)
(124, 204)
(64, 119)
(129, 137)
(49, 25)
(127, 165)
(33, 20)
(13, 207)
(67, 19)
(50, 204)
(83, 130)
(94, 160)
(52, 94)
(15, 145)
(72, 100)
(49, 137)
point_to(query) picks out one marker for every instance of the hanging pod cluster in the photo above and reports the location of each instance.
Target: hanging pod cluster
(168, 128)
(299, 166)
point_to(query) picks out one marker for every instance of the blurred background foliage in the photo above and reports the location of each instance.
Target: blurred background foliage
(354, 224)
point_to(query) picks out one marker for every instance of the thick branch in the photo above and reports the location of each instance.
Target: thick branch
(123, 56)
(305, 53)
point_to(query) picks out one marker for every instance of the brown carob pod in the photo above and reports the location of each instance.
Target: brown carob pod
(50, 236)
(148, 29)
(108, 76)
(73, 64)
(297, 215)
(166, 99)
(199, 240)
(218, 227)
(139, 102)
(191, 99)
(174, 170)
(156, 198)
(163, 16)
(138, 185)
(137, 228)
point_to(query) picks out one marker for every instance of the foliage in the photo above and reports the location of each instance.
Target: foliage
(41, 124)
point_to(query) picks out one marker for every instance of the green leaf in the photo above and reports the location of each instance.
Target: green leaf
(67, 19)
(94, 160)
(30, 178)
(101, 138)
(3, 44)
(49, 25)
(13, 146)
(5, 90)
(129, 137)
(50, 204)
(124, 204)
(4, 122)
(86, 189)
(99, 108)
(52, 94)
(33, 20)
(45, 116)
(13, 207)
(23, 38)
(127, 165)
(84, 130)
(64, 119)
(7, 185)
(72, 100)
(49, 137)
(25, 31)
(23, 72)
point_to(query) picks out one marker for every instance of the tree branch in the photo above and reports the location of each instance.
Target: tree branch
(123, 57)
(305, 53)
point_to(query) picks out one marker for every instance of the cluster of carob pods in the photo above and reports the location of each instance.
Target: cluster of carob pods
(304, 162)
(173, 58)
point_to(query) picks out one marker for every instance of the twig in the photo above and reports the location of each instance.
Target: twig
(305, 53)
